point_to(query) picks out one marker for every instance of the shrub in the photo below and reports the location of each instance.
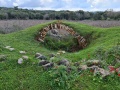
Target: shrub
(61, 78)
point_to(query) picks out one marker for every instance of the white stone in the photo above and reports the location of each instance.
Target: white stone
(20, 61)
(25, 57)
(22, 52)
(7, 47)
(11, 49)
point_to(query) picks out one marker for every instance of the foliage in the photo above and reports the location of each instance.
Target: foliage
(63, 43)
(18, 13)
(110, 55)
(61, 79)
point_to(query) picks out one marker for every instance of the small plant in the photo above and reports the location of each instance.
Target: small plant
(110, 56)
(61, 79)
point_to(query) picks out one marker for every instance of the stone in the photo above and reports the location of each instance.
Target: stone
(2, 58)
(38, 54)
(20, 61)
(102, 71)
(83, 67)
(54, 31)
(48, 65)
(93, 62)
(7, 47)
(61, 52)
(43, 62)
(64, 62)
(22, 52)
(25, 57)
(40, 40)
(11, 49)
(42, 58)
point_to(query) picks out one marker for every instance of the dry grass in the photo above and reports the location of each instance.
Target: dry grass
(101, 23)
(8, 26)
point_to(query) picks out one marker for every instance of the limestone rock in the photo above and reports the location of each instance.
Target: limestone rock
(43, 62)
(93, 62)
(54, 31)
(7, 47)
(48, 65)
(22, 52)
(25, 57)
(42, 58)
(20, 61)
(38, 54)
(11, 49)
(64, 62)
(84, 67)
(102, 71)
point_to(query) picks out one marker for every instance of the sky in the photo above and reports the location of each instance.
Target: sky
(72, 5)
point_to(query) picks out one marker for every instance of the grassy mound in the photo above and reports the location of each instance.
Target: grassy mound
(32, 77)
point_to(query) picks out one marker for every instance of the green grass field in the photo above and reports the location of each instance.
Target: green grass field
(32, 77)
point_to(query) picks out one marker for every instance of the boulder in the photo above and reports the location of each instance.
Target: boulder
(43, 62)
(48, 65)
(64, 62)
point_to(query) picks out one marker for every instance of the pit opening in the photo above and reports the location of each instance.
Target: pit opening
(57, 36)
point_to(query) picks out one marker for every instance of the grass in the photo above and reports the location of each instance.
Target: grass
(32, 77)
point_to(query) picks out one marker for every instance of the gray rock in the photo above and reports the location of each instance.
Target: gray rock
(25, 57)
(43, 62)
(38, 54)
(42, 58)
(64, 62)
(93, 62)
(54, 31)
(48, 65)
(102, 71)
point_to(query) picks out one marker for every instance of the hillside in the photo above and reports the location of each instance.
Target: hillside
(30, 76)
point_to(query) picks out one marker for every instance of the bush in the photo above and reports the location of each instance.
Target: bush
(62, 79)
